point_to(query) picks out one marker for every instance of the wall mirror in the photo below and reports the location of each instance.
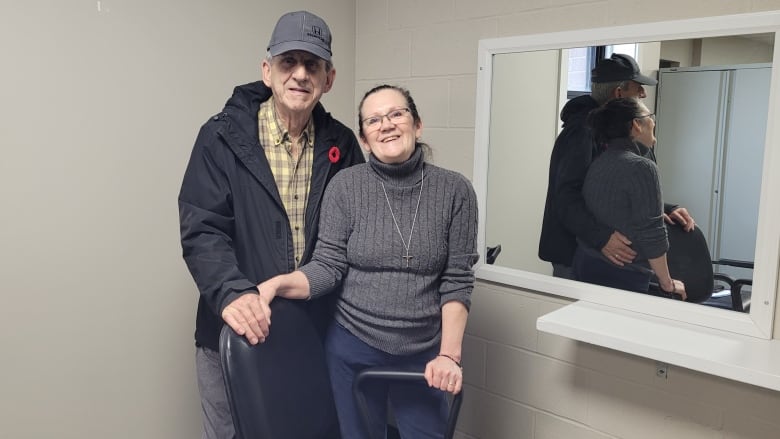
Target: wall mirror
(524, 81)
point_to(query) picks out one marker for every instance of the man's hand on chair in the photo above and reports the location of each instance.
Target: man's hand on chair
(681, 217)
(250, 316)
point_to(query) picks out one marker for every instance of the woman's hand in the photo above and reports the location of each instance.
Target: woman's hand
(445, 374)
(675, 287)
(268, 290)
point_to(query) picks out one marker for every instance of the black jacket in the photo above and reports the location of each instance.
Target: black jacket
(234, 228)
(565, 215)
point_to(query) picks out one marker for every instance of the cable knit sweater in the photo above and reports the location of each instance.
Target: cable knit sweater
(622, 190)
(388, 306)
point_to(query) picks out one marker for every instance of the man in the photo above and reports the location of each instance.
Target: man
(566, 216)
(249, 203)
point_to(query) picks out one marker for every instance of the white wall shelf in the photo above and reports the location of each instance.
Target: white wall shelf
(737, 357)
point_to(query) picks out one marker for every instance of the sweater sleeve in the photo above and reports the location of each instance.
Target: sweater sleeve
(329, 263)
(457, 279)
(649, 234)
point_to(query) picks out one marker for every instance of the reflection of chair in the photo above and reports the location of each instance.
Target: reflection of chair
(492, 253)
(731, 293)
(689, 261)
(280, 388)
(381, 373)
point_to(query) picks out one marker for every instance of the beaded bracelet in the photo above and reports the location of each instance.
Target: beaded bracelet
(451, 358)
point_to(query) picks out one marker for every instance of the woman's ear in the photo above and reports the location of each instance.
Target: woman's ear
(364, 144)
(636, 127)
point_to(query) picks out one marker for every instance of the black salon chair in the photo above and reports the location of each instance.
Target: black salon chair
(740, 296)
(280, 388)
(731, 293)
(689, 260)
(492, 253)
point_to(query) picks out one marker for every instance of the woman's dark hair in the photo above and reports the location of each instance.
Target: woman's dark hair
(409, 103)
(613, 120)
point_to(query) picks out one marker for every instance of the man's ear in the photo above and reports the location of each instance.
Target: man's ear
(265, 66)
(329, 79)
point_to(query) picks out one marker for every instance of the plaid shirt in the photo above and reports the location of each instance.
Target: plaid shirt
(292, 175)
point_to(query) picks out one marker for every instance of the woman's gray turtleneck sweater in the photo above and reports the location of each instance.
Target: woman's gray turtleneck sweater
(388, 306)
(623, 191)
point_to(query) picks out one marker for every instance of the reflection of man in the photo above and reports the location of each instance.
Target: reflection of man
(566, 217)
(250, 199)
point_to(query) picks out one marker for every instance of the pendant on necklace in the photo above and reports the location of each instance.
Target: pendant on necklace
(408, 259)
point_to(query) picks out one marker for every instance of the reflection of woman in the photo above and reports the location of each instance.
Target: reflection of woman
(399, 236)
(622, 190)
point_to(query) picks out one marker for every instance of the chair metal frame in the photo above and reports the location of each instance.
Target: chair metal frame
(386, 373)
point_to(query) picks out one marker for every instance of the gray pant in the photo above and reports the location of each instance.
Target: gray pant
(217, 420)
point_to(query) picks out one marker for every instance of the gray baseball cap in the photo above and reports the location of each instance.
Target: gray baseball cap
(301, 30)
(619, 67)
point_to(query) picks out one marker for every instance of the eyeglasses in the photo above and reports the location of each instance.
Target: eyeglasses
(396, 116)
(651, 116)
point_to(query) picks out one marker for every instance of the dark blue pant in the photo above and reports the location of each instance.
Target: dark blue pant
(420, 411)
(596, 270)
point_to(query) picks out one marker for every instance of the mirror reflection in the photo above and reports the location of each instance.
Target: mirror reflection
(710, 106)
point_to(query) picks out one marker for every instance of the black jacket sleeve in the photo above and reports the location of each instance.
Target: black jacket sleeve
(207, 225)
(570, 204)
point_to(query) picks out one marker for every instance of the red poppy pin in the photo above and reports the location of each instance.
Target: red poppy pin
(334, 154)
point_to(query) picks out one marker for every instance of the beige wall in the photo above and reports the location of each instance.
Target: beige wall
(99, 112)
(717, 51)
(523, 383)
(725, 50)
(100, 109)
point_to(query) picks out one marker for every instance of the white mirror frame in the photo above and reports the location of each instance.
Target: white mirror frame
(758, 323)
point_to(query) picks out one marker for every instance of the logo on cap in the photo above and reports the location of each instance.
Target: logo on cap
(316, 32)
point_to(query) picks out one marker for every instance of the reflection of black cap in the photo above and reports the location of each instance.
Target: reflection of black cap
(619, 67)
(301, 30)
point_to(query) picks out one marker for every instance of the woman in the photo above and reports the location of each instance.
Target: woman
(622, 190)
(398, 236)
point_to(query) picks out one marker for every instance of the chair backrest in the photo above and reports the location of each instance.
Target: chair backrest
(280, 388)
(386, 373)
(689, 261)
